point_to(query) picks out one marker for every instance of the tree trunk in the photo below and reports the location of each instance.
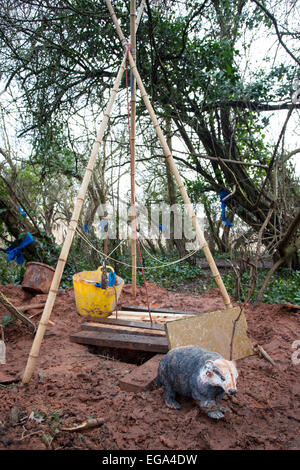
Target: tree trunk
(179, 243)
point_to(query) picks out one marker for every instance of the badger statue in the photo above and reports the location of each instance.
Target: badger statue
(194, 372)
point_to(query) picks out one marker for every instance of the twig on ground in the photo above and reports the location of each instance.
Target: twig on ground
(265, 355)
(89, 423)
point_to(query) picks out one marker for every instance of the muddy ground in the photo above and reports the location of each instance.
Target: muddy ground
(73, 382)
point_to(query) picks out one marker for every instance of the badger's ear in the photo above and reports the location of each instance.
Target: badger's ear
(209, 364)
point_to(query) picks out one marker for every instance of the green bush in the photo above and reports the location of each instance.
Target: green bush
(159, 270)
(284, 286)
(10, 272)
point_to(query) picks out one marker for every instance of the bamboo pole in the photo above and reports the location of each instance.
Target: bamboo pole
(134, 23)
(34, 353)
(168, 155)
(140, 12)
(132, 137)
(116, 23)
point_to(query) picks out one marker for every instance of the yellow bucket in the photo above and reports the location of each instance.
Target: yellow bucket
(91, 300)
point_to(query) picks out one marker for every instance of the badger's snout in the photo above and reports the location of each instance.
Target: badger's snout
(232, 391)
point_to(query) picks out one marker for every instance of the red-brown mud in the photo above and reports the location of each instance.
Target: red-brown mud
(71, 384)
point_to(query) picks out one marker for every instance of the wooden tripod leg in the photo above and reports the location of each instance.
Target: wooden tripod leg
(134, 23)
(34, 353)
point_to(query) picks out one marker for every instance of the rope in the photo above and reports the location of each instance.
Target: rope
(172, 262)
(132, 183)
(162, 265)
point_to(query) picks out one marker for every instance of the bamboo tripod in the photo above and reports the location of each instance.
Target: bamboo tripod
(34, 352)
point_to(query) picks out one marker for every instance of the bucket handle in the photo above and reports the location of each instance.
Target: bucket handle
(107, 267)
(99, 270)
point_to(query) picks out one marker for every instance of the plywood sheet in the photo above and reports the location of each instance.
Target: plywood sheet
(212, 331)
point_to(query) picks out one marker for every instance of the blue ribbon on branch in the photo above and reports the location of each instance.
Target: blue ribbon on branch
(223, 194)
(16, 251)
(21, 211)
(103, 225)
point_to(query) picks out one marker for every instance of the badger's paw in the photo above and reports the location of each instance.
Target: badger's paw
(206, 404)
(216, 414)
(173, 404)
(222, 409)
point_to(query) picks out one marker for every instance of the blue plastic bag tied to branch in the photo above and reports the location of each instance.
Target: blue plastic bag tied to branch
(21, 211)
(103, 225)
(223, 195)
(16, 252)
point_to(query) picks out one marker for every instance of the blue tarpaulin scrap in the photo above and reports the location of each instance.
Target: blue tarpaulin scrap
(16, 251)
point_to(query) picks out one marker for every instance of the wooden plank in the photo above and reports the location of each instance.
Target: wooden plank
(90, 326)
(129, 323)
(142, 377)
(127, 313)
(134, 308)
(157, 318)
(213, 331)
(123, 341)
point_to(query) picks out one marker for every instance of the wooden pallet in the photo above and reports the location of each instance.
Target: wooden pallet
(123, 334)
(129, 329)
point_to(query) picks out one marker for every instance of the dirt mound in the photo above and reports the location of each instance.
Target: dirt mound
(71, 383)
